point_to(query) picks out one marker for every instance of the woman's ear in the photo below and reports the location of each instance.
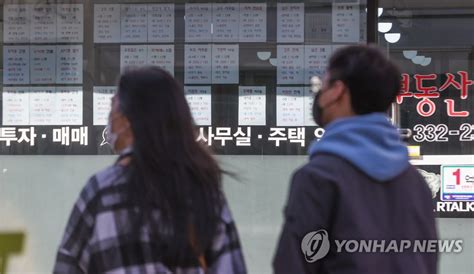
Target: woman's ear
(126, 125)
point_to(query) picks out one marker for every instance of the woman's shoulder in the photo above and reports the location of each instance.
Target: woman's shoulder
(110, 176)
(105, 181)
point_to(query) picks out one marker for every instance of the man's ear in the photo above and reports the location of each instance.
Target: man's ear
(336, 92)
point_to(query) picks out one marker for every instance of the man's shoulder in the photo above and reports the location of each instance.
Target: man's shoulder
(320, 171)
(330, 165)
(334, 170)
(324, 166)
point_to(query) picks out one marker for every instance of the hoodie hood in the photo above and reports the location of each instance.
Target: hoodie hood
(370, 142)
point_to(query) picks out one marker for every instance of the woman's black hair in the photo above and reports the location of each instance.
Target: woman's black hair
(169, 172)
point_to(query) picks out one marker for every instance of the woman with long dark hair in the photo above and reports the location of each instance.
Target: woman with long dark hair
(160, 208)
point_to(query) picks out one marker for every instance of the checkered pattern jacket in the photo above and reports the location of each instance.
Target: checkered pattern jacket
(98, 236)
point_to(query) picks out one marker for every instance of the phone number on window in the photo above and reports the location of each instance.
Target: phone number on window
(442, 133)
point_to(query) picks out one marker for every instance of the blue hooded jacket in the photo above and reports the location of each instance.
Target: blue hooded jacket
(357, 185)
(370, 142)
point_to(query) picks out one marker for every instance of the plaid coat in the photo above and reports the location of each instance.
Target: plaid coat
(98, 236)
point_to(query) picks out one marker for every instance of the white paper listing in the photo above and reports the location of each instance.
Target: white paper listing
(68, 102)
(70, 20)
(134, 19)
(16, 70)
(43, 64)
(42, 106)
(16, 27)
(43, 23)
(316, 60)
(15, 106)
(252, 106)
(160, 23)
(346, 21)
(290, 23)
(133, 56)
(225, 22)
(318, 27)
(106, 23)
(102, 104)
(290, 69)
(197, 64)
(69, 64)
(198, 22)
(225, 64)
(253, 22)
(290, 106)
(199, 100)
(161, 56)
(308, 107)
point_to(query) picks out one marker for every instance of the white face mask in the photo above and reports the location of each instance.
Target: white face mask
(112, 137)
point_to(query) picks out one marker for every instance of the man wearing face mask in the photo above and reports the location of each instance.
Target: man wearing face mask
(358, 184)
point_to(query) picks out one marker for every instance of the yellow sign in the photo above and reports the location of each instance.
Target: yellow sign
(10, 243)
(414, 151)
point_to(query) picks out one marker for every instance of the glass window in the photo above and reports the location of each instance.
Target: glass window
(432, 41)
(246, 69)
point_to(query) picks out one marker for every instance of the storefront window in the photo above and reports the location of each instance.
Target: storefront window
(432, 41)
(246, 68)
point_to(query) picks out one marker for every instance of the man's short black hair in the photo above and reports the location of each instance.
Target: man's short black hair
(373, 80)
